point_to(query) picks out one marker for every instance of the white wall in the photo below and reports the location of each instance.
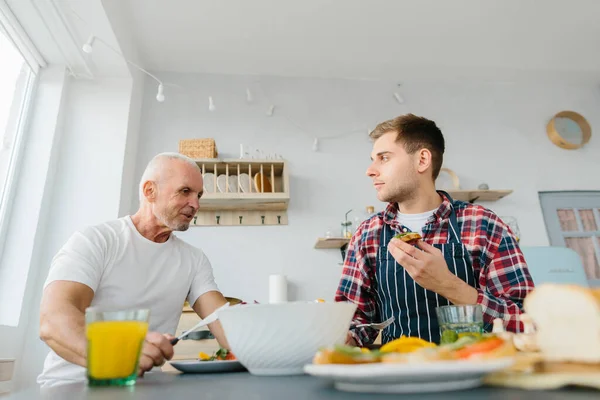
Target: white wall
(495, 133)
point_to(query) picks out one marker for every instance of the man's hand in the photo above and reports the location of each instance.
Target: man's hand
(156, 351)
(427, 266)
(350, 340)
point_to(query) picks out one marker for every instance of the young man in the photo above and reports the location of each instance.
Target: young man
(133, 262)
(467, 255)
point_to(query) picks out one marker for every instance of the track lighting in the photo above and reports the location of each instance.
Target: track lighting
(88, 46)
(160, 97)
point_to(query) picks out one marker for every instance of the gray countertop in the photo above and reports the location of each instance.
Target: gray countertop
(242, 385)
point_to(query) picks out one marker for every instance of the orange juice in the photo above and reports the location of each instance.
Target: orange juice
(114, 349)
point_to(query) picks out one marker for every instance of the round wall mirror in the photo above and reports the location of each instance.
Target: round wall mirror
(569, 130)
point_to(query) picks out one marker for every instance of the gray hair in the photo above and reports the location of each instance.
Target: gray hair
(154, 166)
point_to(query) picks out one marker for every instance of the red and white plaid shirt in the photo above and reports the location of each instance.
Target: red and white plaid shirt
(498, 263)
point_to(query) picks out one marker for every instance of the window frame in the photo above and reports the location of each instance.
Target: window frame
(551, 202)
(10, 27)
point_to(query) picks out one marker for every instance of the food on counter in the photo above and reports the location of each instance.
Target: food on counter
(567, 321)
(220, 355)
(408, 237)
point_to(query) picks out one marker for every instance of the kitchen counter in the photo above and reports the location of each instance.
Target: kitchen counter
(242, 385)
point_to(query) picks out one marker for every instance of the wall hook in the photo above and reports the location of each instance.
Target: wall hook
(218, 219)
(262, 217)
(279, 219)
(241, 217)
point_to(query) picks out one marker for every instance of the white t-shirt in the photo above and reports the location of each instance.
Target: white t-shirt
(415, 222)
(127, 271)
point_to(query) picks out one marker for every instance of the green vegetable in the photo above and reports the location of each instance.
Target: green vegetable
(460, 343)
(449, 336)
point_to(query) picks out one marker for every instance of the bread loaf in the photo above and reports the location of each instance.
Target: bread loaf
(567, 321)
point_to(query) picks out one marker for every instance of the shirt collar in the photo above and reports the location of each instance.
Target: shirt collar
(444, 210)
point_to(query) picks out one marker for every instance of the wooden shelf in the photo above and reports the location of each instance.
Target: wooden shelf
(244, 201)
(478, 195)
(249, 208)
(331, 243)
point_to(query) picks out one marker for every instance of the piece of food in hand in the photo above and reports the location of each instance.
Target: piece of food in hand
(341, 354)
(408, 237)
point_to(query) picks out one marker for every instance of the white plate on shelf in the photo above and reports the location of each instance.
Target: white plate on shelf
(222, 183)
(233, 184)
(209, 182)
(245, 183)
(407, 377)
(203, 367)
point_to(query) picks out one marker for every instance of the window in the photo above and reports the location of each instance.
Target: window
(16, 83)
(573, 220)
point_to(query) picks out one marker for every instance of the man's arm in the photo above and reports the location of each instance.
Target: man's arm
(356, 287)
(62, 326)
(504, 282)
(204, 306)
(62, 319)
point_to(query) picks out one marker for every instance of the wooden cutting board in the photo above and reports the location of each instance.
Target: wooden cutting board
(546, 376)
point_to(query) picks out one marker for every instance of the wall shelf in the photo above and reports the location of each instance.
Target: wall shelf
(478, 195)
(333, 243)
(257, 194)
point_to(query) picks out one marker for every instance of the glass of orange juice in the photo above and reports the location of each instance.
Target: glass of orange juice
(114, 345)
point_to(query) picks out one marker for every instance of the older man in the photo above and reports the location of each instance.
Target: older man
(130, 263)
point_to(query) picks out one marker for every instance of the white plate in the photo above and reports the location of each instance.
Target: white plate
(203, 367)
(407, 377)
(209, 182)
(222, 183)
(245, 182)
(233, 184)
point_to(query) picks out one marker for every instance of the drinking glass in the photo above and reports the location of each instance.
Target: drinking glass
(458, 321)
(114, 345)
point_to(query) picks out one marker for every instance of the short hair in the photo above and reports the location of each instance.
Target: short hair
(415, 133)
(153, 167)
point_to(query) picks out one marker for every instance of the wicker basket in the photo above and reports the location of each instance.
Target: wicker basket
(198, 148)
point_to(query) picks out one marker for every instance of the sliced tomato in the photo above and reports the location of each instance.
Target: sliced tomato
(479, 347)
(230, 356)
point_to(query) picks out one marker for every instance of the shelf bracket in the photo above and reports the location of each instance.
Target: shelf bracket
(473, 200)
(343, 251)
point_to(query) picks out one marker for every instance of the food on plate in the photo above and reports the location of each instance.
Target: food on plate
(567, 323)
(408, 237)
(466, 348)
(342, 354)
(405, 344)
(413, 349)
(220, 355)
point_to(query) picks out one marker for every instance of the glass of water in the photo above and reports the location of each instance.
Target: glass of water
(459, 321)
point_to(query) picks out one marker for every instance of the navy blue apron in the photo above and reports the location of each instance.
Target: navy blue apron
(400, 296)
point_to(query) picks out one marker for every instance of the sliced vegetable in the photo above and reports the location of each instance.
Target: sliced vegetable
(480, 347)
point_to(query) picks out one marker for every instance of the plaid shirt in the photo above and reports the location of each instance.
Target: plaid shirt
(498, 264)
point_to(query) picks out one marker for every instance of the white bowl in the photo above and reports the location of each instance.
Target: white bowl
(279, 339)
